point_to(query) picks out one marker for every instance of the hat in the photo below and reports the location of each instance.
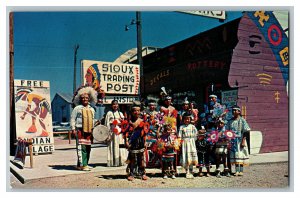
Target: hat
(201, 132)
(221, 121)
(165, 94)
(85, 90)
(236, 108)
(213, 96)
(168, 98)
(151, 102)
(135, 104)
(93, 69)
(186, 101)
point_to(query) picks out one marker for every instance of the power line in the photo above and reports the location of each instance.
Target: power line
(42, 46)
(43, 67)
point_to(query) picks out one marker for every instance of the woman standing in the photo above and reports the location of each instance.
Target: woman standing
(239, 155)
(116, 156)
(82, 124)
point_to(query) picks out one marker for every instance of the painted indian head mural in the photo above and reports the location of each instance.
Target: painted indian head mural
(260, 68)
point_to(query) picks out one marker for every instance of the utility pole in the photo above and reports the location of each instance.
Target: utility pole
(138, 23)
(12, 115)
(139, 49)
(11, 58)
(75, 58)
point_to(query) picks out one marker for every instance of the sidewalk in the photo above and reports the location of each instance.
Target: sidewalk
(63, 160)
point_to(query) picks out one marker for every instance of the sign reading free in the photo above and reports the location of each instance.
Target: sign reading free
(113, 77)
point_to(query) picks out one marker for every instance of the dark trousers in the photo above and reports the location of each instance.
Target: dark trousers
(136, 165)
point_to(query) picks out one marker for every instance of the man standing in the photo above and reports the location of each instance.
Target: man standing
(82, 124)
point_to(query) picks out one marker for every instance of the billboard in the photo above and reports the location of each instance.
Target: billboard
(33, 114)
(114, 78)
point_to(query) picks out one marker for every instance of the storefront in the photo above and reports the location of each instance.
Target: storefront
(249, 54)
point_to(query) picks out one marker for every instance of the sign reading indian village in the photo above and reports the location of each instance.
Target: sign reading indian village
(113, 77)
(33, 114)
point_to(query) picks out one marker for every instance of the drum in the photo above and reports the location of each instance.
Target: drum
(101, 134)
(221, 148)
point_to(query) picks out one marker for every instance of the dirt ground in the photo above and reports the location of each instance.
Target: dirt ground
(257, 176)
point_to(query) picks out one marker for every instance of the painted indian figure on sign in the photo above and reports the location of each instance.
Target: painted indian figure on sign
(37, 108)
(93, 79)
(260, 69)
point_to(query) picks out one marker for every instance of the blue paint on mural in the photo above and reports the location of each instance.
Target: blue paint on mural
(275, 37)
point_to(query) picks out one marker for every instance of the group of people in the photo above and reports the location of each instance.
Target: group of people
(177, 137)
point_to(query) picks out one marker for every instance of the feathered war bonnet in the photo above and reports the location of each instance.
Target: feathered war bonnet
(85, 90)
(93, 69)
(164, 94)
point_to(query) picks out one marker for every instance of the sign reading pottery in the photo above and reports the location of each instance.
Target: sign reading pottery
(229, 98)
(33, 114)
(120, 99)
(113, 77)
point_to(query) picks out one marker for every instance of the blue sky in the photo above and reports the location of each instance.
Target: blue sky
(44, 41)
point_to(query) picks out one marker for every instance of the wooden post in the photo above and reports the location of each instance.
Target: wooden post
(30, 152)
(69, 133)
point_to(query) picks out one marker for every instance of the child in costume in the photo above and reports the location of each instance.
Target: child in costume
(239, 155)
(203, 152)
(168, 153)
(222, 154)
(152, 157)
(188, 134)
(136, 145)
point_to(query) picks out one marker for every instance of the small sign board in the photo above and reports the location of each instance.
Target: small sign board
(33, 114)
(229, 98)
(120, 99)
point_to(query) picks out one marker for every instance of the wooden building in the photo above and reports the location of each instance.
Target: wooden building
(61, 107)
(249, 54)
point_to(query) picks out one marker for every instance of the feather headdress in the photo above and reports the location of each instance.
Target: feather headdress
(165, 94)
(82, 90)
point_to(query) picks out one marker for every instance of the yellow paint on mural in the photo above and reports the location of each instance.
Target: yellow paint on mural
(284, 55)
(262, 17)
(277, 96)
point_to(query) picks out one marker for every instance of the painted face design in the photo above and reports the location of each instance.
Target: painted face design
(259, 66)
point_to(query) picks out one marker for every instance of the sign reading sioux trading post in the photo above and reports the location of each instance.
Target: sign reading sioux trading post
(33, 114)
(114, 78)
